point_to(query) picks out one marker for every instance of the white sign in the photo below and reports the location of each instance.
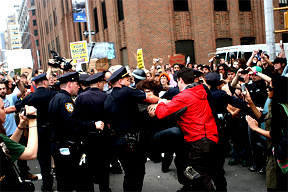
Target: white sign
(19, 59)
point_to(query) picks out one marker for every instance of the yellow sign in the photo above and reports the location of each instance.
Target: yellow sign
(140, 60)
(79, 52)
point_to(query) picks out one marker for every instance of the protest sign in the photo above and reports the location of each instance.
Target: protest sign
(19, 59)
(140, 60)
(177, 58)
(79, 52)
(102, 50)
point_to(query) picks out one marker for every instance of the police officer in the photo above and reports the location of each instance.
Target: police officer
(122, 108)
(84, 86)
(68, 131)
(90, 105)
(218, 103)
(40, 100)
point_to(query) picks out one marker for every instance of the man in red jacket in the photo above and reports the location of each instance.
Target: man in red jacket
(197, 123)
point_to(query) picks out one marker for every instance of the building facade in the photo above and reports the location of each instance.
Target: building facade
(29, 30)
(160, 28)
(13, 37)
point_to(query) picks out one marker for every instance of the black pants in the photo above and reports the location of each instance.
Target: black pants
(44, 156)
(133, 163)
(68, 172)
(201, 159)
(22, 164)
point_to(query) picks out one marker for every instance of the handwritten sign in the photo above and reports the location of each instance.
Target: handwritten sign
(140, 60)
(177, 58)
(79, 52)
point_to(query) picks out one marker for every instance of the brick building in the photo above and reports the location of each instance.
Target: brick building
(160, 28)
(28, 26)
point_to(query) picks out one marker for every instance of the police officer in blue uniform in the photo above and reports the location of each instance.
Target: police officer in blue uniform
(122, 109)
(218, 103)
(90, 105)
(40, 100)
(68, 132)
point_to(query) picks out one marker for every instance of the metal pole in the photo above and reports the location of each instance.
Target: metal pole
(35, 48)
(88, 21)
(269, 28)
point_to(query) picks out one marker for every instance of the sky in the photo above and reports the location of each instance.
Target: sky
(6, 8)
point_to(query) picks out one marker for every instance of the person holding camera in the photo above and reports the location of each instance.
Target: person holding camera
(68, 131)
(40, 100)
(9, 177)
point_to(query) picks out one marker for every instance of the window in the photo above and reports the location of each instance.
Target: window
(47, 27)
(120, 10)
(63, 10)
(220, 5)
(124, 55)
(67, 6)
(283, 3)
(180, 5)
(53, 45)
(58, 45)
(55, 17)
(32, 2)
(39, 63)
(49, 49)
(34, 22)
(223, 42)
(247, 40)
(33, 12)
(244, 5)
(104, 15)
(37, 42)
(50, 23)
(35, 32)
(96, 20)
(44, 3)
(186, 47)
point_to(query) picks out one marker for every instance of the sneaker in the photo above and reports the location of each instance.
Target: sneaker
(263, 171)
(29, 176)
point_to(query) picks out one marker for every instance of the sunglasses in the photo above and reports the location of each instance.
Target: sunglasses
(270, 88)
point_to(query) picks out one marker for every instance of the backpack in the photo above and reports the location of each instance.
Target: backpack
(9, 174)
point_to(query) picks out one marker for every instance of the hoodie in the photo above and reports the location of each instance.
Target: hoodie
(197, 121)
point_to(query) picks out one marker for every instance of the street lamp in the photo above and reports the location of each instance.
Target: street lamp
(35, 46)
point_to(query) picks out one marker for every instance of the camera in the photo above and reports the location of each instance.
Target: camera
(217, 57)
(58, 60)
(28, 116)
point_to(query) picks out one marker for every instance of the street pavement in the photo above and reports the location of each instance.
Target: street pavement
(238, 178)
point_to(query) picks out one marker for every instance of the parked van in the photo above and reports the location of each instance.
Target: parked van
(245, 51)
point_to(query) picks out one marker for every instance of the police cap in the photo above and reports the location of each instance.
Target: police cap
(40, 77)
(197, 73)
(71, 76)
(95, 78)
(119, 74)
(212, 77)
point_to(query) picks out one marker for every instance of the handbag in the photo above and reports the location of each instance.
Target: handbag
(280, 149)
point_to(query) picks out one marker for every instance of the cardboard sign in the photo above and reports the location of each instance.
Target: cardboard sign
(99, 65)
(140, 60)
(79, 52)
(177, 58)
(102, 50)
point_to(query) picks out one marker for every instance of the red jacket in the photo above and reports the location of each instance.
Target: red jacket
(197, 121)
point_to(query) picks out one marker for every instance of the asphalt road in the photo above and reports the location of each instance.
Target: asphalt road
(238, 178)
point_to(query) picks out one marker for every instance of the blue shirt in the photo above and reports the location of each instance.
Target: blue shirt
(10, 124)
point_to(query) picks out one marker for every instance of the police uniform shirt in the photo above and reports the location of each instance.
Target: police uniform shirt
(90, 105)
(63, 120)
(40, 100)
(121, 107)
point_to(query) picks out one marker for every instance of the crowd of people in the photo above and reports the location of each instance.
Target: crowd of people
(87, 123)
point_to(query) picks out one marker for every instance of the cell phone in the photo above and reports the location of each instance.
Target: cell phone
(157, 60)
(260, 52)
(281, 43)
(221, 76)
(243, 88)
(217, 57)
(241, 79)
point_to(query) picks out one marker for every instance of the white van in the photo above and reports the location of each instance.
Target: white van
(245, 51)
